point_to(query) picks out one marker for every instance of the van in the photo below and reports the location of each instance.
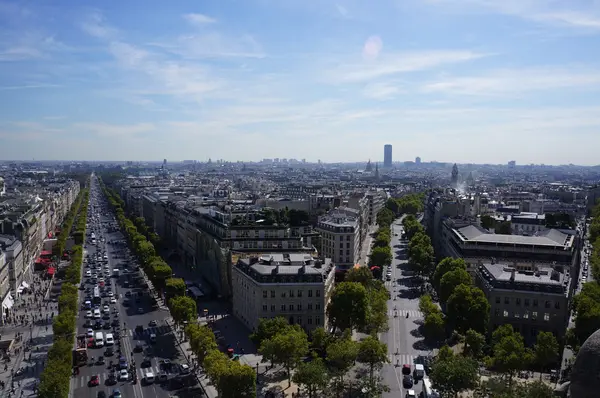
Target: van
(99, 339)
(97, 314)
(149, 378)
(419, 371)
(110, 339)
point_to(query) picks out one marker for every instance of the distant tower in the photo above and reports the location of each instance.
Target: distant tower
(369, 166)
(377, 171)
(418, 160)
(387, 155)
(455, 175)
(165, 163)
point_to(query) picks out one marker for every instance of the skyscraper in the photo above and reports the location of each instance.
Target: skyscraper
(387, 155)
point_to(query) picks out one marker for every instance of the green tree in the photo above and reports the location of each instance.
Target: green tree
(312, 375)
(426, 305)
(444, 266)
(320, 339)
(63, 325)
(468, 308)
(450, 281)
(202, 340)
(381, 256)
(454, 374)
(504, 228)
(175, 287)
(385, 217)
(510, 353)
(362, 275)
(341, 355)
(434, 327)
(238, 381)
(474, 343)
(373, 353)
(382, 240)
(286, 348)
(54, 380)
(545, 351)
(420, 254)
(487, 221)
(392, 205)
(412, 226)
(160, 274)
(267, 328)
(348, 306)
(183, 309)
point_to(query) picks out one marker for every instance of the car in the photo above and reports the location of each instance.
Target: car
(122, 363)
(152, 323)
(87, 324)
(109, 352)
(407, 381)
(116, 394)
(411, 394)
(101, 394)
(123, 375)
(106, 325)
(94, 381)
(88, 314)
(115, 323)
(90, 332)
(126, 303)
(139, 347)
(406, 370)
(113, 300)
(146, 363)
(128, 293)
(110, 294)
(88, 273)
(140, 310)
(153, 338)
(184, 369)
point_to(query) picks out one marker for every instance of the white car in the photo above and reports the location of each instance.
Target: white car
(88, 314)
(88, 273)
(113, 300)
(110, 294)
(90, 333)
(105, 309)
(123, 375)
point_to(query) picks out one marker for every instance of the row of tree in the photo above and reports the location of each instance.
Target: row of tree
(320, 364)
(67, 226)
(586, 304)
(408, 204)
(55, 379)
(381, 253)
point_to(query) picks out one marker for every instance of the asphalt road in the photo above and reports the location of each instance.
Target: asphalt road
(139, 312)
(405, 345)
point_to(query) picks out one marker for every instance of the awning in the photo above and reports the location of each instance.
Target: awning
(46, 253)
(8, 302)
(25, 285)
(50, 270)
(20, 289)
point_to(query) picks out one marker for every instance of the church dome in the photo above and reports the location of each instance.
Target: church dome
(585, 375)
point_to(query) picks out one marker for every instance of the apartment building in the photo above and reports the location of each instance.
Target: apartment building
(528, 223)
(341, 236)
(530, 298)
(295, 286)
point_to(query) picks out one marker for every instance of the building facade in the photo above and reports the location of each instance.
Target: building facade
(340, 236)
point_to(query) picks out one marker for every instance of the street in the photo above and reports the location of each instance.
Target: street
(405, 344)
(133, 308)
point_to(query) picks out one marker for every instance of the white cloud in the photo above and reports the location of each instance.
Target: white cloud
(213, 45)
(388, 65)
(199, 19)
(95, 25)
(515, 81)
(114, 130)
(343, 11)
(381, 91)
(28, 87)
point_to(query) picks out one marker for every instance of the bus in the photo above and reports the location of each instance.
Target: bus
(97, 297)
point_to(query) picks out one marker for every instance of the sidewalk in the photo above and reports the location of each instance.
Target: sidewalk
(365, 250)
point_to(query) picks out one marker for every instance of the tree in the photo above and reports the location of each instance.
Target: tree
(474, 343)
(183, 309)
(377, 314)
(286, 348)
(497, 387)
(373, 353)
(320, 339)
(420, 253)
(434, 328)
(382, 240)
(450, 281)
(348, 306)
(362, 275)
(487, 221)
(510, 354)
(412, 226)
(381, 256)
(392, 205)
(446, 265)
(238, 381)
(160, 274)
(545, 351)
(426, 305)
(468, 308)
(341, 355)
(267, 328)
(202, 340)
(216, 365)
(454, 374)
(175, 287)
(504, 228)
(385, 217)
(63, 325)
(312, 375)
(54, 381)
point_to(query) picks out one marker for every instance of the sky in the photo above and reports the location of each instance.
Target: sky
(469, 81)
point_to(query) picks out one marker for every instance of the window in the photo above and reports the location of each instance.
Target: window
(517, 314)
(310, 293)
(341, 252)
(318, 293)
(526, 302)
(310, 320)
(272, 293)
(546, 316)
(291, 293)
(341, 245)
(497, 300)
(299, 307)
(534, 315)
(506, 300)
(348, 237)
(265, 308)
(557, 305)
(526, 315)
(309, 307)
(273, 308)
(535, 302)
(348, 245)
(497, 312)
(518, 301)
(291, 306)
(283, 294)
(505, 314)
(318, 307)
(282, 307)
(548, 303)
(299, 293)
(299, 320)
(265, 294)
(318, 320)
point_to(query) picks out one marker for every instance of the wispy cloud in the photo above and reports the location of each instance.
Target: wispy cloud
(212, 45)
(514, 81)
(388, 65)
(28, 87)
(381, 91)
(115, 130)
(95, 25)
(342, 11)
(199, 19)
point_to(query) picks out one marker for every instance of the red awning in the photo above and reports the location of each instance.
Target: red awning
(46, 253)
(50, 271)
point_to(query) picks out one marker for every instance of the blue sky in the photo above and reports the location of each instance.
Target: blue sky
(483, 81)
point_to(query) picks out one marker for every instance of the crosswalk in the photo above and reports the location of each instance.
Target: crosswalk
(402, 359)
(103, 375)
(158, 330)
(402, 313)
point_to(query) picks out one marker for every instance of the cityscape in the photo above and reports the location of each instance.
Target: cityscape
(299, 199)
(394, 279)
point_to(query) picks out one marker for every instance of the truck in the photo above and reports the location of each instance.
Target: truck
(80, 357)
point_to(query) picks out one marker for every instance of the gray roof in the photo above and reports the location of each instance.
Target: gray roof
(551, 237)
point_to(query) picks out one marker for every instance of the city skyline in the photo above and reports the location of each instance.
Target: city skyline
(438, 79)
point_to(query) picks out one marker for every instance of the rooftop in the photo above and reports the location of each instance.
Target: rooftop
(549, 238)
(544, 279)
(286, 268)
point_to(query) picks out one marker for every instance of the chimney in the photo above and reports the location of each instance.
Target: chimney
(512, 275)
